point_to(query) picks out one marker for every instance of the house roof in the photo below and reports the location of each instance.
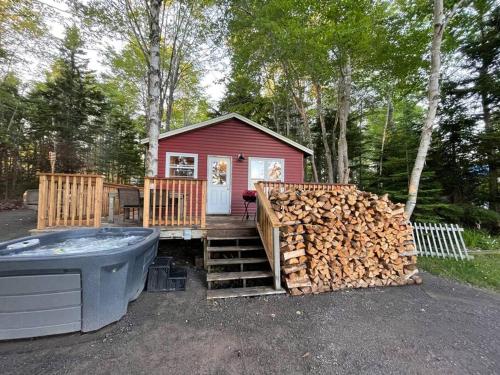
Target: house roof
(219, 119)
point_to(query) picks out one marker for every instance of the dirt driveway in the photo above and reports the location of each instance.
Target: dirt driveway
(16, 223)
(438, 327)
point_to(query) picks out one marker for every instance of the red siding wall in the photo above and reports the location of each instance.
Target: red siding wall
(230, 138)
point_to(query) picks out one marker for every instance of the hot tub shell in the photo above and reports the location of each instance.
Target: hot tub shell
(46, 295)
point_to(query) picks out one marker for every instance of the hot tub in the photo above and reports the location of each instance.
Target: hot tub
(76, 280)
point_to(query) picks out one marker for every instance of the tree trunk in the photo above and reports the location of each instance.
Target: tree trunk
(275, 118)
(324, 135)
(153, 100)
(344, 108)
(307, 134)
(388, 121)
(433, 98)
(288, 125)
(334, 147)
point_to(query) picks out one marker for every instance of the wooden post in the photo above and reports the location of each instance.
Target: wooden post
(160, 200)
(80, 201)
(190, 202)
(184, 204)
(276, 260)
(52, 192)
(89, 199)
(179, 202)
(111, 206)
(98, 201)
(172, 222)
(59, 198)
(203, 203)
(153, 214)
(145, 210)
(197, 203)
(42, 201)
(166, 203)
(66, 201)
(74, 195)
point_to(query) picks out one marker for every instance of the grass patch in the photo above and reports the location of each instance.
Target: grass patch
(478, 239)
(482, 271)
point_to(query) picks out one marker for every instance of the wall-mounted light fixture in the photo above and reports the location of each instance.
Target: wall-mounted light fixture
(241, 157)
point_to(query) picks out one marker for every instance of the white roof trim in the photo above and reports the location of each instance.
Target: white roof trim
(227, 117)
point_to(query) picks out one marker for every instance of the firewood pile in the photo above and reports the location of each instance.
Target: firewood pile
(348, 238)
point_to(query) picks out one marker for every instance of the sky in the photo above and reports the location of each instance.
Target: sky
(212, 79)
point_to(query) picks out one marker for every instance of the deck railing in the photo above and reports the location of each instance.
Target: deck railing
(174, 202)
(268, 224)
(69, 200)
(269, 186)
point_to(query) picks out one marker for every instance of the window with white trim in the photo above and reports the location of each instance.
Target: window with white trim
(265, 169)
(181, 165)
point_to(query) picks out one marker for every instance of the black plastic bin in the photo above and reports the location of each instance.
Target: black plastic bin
(177, 280)
(158, 274)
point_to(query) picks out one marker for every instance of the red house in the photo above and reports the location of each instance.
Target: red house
(232, 153)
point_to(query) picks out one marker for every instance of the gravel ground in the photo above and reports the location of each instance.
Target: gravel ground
(16, 223)
(439, 327)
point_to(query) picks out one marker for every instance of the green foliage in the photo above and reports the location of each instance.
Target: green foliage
(466, 215)
(479, 239)
(482, 271)
(67, 110)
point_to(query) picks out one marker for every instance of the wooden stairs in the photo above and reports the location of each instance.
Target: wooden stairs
(237, 265)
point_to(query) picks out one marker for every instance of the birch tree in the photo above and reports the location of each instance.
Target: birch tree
(439, 23)
(344, 90)
(162, 31)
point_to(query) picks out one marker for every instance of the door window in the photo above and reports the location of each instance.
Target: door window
(219, 172)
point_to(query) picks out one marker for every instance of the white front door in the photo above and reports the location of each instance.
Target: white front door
(219, 185)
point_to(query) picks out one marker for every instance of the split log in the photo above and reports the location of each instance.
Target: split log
(331, 240)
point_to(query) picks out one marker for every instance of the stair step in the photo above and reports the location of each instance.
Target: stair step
(212, 249)
(243, 292)
(232, 237)
(223, 276)
(220, 262)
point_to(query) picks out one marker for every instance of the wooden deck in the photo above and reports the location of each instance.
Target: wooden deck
(213, 224)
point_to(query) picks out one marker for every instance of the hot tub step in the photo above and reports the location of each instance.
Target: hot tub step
(243, 292)
(221, 262)
(223, 276)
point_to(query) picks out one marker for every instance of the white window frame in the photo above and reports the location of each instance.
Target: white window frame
(264, 159)
(182, 154)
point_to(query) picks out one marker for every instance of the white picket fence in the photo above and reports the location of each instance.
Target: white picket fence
(439, 240)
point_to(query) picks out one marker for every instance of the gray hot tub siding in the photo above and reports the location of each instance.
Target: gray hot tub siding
(64, 293)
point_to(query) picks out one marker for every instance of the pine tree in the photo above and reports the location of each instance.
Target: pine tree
(68, 108)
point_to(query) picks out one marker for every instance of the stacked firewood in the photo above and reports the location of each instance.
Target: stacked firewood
(347, 238)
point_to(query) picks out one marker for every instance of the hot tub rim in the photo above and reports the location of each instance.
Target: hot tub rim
(155, 233)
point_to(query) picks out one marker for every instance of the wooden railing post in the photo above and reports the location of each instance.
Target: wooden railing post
(268, 227)
(276, 251)
(203, 203)
(98, 201)
(42, 201)
(52, 195)
(111, 206)
(145, 210)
